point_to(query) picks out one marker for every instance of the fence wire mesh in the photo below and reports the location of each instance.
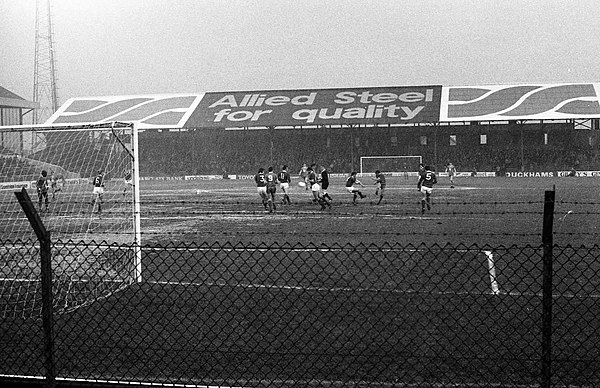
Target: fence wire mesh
(246, 314)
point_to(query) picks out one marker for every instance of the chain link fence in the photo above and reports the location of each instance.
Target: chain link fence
(245, 314)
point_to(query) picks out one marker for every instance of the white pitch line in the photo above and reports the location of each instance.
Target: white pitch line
(126, 382)
(339, 289)
(492, 270)
(366, 290)
(304, 249)
(313, 288)
(290, 382)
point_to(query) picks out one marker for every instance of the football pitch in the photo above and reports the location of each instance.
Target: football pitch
(366, 294)
(494, 211)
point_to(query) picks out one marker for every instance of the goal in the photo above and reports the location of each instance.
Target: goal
(389, 164)
(93, 253)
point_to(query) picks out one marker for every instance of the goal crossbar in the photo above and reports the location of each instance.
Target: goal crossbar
(66, 127)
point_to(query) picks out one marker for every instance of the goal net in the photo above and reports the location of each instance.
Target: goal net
(390, 164)
(93, 236)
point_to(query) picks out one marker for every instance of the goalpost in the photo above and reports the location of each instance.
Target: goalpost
(400, 165)
(94, 254)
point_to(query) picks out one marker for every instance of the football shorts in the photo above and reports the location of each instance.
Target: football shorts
(426, 190)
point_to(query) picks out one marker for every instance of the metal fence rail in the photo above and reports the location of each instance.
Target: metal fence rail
(303, 315)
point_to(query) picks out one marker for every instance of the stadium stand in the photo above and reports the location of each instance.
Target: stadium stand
(508, 147)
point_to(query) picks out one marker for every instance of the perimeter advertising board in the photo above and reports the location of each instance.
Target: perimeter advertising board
(380, 105)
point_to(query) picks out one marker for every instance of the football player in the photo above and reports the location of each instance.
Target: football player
(350, 182)
(261, 186)
(98, 190)
(284, 183)
(425, 185)
(271, 189)
(380, 184)
(42, 190)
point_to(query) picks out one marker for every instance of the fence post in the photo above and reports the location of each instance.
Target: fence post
(46, 273)
(547, 242)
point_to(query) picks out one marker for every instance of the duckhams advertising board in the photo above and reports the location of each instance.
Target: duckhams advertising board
(379, 105)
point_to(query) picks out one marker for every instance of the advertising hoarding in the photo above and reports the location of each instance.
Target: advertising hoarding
(379, 105)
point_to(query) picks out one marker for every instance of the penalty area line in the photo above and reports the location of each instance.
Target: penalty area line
(364, 289)
(314, 288)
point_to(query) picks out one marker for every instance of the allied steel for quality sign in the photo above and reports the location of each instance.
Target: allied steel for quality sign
(380, 105)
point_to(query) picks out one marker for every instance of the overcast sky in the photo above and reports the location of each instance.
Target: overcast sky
(123, 47)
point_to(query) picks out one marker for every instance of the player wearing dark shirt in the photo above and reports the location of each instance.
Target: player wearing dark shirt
(98, 191)
(261, 186)
(41, 186)
(425, 185)
(380, 182)
(271, 189)
(284, 182)
(324, 198)
(350, 182)
(325, 183)
(421, 170)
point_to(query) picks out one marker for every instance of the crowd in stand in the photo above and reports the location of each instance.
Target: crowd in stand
(220, 152)
(14, 168)
(243, 152)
